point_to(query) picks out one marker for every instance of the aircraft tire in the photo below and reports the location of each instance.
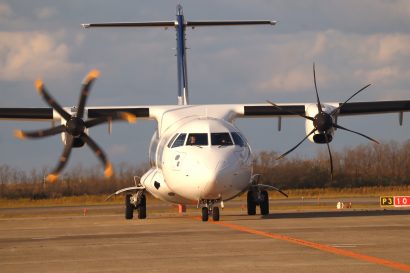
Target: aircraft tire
(264, 205)
(251, 204)
(215, 214)
(205, 214)
(142, 208)
(129, 208)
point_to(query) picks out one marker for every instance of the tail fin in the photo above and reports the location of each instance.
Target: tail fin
(180, 25)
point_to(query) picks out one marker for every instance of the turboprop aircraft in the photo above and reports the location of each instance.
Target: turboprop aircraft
(197, 154)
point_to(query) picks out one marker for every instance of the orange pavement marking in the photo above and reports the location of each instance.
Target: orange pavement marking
(334, 250)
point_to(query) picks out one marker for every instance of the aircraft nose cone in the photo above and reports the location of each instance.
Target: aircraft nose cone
(209, 190)
(218, 176)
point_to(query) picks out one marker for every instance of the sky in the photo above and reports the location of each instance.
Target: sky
(353, 43)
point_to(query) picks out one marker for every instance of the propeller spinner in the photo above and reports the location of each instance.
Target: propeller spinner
(75, 126)
(323, 122)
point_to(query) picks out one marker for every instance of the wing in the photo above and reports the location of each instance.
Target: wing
(44, 114)
(226, 111)
(297, 109)
(139, 112)
(28, 114)
(375, 107)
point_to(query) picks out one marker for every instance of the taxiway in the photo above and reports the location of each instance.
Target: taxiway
(309, 241)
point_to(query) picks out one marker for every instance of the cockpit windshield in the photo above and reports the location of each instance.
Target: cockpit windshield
(201, 139)
(221, 139)
(198, 139)
(179, 141)
(238, 139)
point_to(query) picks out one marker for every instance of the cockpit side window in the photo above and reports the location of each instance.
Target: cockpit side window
(172, 140)
(197, 140)
(179, 141)
(221, 139)
(238, 139)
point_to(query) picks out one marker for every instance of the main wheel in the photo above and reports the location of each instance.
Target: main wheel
(205, 214)
(215, 214)
(264, 205)
(251, 204)
(129, 208)
(142, 207)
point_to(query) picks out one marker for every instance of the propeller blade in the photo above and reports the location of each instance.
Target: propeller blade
(341, 106)
(297, 145)
(40, 133)
(116, 116)
(85, 90)
(290, 112)
(52, 177)
(343, 128)
(330, 157)
(50, 100)
(108, 172)
(319, 105)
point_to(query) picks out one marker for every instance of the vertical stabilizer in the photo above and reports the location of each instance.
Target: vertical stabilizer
(180, 26)
(181, 58)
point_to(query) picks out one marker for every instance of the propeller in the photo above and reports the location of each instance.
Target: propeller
(75, 126)
(323, 122)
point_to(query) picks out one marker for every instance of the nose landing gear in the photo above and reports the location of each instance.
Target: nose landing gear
(209, 208)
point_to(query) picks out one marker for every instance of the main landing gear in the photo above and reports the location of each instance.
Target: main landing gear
(209, 209)
(138, 202)
(258, 198)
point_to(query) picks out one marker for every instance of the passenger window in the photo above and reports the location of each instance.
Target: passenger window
(238, 139)
(179, 141)
(172, 140)
(221, 139)
(197, 140)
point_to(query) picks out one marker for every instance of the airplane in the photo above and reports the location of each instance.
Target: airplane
(197, 154)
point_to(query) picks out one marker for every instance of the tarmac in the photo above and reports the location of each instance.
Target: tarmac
(50, 240)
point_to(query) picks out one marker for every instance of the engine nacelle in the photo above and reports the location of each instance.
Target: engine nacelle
(319, 137)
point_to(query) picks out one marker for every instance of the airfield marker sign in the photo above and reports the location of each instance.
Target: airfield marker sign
(402, 201)
(395, 201)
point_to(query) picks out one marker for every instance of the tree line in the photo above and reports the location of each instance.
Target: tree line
(384, 164)
(15, 183)
(371, 164)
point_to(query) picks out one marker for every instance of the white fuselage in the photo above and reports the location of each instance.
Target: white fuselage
(218, 166)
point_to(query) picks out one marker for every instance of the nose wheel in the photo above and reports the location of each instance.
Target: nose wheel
(209, 209)
(205, 214)
(215, 214)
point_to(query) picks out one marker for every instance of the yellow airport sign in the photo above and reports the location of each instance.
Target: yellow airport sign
(387, 201)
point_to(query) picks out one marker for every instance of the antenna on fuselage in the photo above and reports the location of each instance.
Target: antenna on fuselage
(180, 25)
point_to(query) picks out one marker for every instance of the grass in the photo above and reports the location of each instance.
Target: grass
(89, 200)
(63, 201)
(349, 192)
